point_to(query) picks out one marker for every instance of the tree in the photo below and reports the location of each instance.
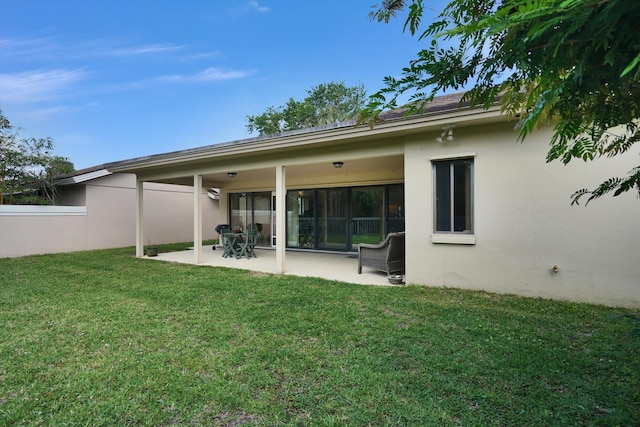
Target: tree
(571, 63)
(52, 168)
(324, 104)
(28, 168)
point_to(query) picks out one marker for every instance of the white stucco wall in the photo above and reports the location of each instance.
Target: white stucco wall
(524, 222)
(110, 219)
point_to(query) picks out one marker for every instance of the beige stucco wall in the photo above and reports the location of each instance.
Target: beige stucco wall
(524, 222)
(110, 219)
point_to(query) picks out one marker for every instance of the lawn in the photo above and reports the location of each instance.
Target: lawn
(103, 338)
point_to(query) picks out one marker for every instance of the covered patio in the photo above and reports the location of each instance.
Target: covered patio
(331, 159)
(331, 266)
(308, 191)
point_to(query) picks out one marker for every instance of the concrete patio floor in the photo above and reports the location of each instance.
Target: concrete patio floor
(332, 266)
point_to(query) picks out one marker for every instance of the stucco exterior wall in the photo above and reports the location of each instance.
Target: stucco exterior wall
(35, 234)
(524, 222)
(110, 219)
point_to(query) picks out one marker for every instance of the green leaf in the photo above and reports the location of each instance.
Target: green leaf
(631, 66)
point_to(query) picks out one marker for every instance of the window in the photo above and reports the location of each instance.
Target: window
(453, 189)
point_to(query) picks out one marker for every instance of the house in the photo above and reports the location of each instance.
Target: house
(480, 209)
(96, 209)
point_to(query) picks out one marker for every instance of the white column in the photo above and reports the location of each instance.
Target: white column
(281, 212)
(139, 218)
(197, 219)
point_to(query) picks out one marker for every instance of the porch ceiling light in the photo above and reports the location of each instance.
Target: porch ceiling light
(231, 174)
(338, 165)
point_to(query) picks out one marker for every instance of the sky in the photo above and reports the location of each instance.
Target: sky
(111, 80)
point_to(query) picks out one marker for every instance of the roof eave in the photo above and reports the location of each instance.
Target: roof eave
(77, 179)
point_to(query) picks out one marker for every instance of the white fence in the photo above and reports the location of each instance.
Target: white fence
(106, 221)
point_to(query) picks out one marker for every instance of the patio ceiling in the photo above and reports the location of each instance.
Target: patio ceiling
(369, 169)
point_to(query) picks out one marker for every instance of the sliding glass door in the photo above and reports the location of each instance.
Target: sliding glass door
(262, 217)
(395, 208)
(252, 211)
(300, 219)
(334, 219)
(367, 208)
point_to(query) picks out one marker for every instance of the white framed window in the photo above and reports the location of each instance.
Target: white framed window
(453, 200)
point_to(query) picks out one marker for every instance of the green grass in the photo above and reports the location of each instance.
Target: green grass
(102, 338)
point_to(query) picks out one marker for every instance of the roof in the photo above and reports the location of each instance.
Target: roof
(398, 121)
(83, 175)
(439, 105)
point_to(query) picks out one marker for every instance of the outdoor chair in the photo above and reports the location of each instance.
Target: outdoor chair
(232, 244)
(222, 229)
(248, 245)
(261, 237)
(387, 256)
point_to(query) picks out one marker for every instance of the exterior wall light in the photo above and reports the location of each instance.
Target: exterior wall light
(447, 133)
(450, 134)
(231, 174)
(338, 165)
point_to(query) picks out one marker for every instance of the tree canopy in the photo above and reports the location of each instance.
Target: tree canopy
(573, 64)
(28, 167)
(324, 104)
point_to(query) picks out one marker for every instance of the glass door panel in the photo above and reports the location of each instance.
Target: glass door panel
(240, 210)
(332, 215)
(367, 210)
(395, 208)
(273, 220)
(262, 217)
(300, 219)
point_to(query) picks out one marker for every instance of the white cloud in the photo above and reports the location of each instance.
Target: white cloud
(47, 48)
(262, 9)
(27, 48)
(209, 75)
(143, 50)
(198, 56)
(43, 113)
(37, 85)
(215, 74)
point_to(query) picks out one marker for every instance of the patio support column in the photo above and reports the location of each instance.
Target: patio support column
(281, 213)
(139, 218)
(197, 219)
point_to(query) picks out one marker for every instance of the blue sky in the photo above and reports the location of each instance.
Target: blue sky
(116, 79)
